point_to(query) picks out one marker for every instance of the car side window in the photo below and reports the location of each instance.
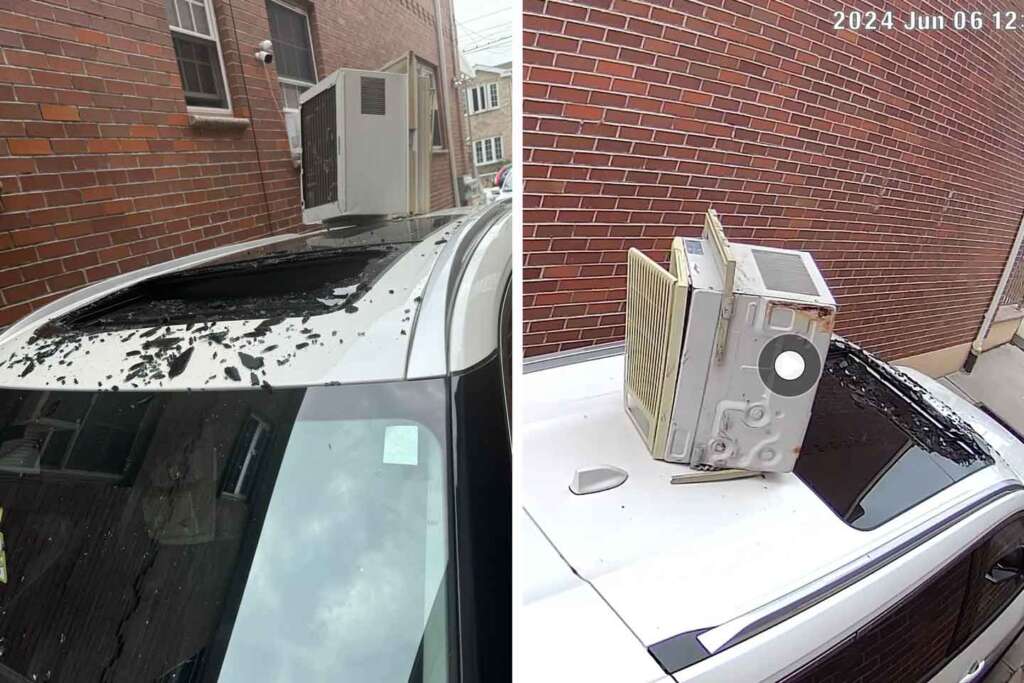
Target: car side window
(906, 643)
(918, 636)
(996, 577)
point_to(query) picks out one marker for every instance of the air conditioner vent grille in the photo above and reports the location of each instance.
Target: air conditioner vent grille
(651, 302)
(372, 97)
(319, 132)
(783, 272)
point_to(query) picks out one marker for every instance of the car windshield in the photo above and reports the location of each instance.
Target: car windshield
(293, 535)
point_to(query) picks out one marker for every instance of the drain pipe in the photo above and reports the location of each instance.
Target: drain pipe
(993, 307)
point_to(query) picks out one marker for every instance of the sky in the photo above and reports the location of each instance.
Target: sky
(486, 30)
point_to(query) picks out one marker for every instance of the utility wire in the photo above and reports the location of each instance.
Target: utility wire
(485, 46)
(484, 16)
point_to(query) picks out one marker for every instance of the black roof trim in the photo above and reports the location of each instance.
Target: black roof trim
(680, 651)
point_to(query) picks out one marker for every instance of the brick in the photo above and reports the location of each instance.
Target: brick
(29, 146)
(58, 112)
(95, 139)
(781, 124)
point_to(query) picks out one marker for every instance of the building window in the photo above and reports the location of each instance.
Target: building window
(293, 55)
(436, 120)
(487, 151)
(482, 98)
(197, 47)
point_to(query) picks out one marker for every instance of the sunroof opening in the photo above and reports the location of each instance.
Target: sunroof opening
(871, 453)
(304, 283)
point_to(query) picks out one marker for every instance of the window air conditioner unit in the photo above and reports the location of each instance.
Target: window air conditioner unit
(724, 351)
(355, 146)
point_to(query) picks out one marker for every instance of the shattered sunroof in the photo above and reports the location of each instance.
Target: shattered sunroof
(321, 273)
(329, 307)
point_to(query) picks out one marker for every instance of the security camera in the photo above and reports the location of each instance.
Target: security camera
(266, 52)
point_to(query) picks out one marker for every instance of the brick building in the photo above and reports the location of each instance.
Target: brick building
(894, 156)
(488, 112)
(135, 131)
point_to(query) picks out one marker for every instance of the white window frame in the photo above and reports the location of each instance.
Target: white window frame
(211, 19)
(295, 81)
(481, 146)
(485, 91)
(431, 70)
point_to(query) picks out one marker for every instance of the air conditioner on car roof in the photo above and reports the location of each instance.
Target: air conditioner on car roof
(724, 351)
(355, 145)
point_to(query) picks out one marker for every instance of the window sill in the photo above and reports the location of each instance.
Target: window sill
(439, 150)
(217, 122)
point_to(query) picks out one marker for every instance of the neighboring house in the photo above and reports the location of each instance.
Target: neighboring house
(132, 132)
(892, 157)
(488, 103)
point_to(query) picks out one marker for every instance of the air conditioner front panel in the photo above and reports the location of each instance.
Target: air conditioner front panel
(655, 307)
(366, 137)
(742, 399)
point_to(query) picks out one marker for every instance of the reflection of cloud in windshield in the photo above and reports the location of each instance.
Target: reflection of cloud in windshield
(336, 589)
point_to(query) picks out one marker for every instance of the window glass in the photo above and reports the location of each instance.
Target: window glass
(293, 53)
(197, 52)
(293, 535)
(483, 97)
(861, 455)
(436, 121)
(488, 150)
(992, 589)
(438, 130)
(908, 643)
(293, 56)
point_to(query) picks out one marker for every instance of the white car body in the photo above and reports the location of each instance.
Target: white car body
(758, 571)
(400, 329)
(287, 459)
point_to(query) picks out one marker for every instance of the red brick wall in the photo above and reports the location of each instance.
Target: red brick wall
(101, 172)
(895, 157)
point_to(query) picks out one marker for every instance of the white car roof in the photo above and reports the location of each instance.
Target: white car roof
(332, 339)
(671, 560)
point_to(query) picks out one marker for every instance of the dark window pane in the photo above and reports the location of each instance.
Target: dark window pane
(438, 140)
(990, 596)
(908, 643)
(289, 31)
(858, 455)
(199, 64)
